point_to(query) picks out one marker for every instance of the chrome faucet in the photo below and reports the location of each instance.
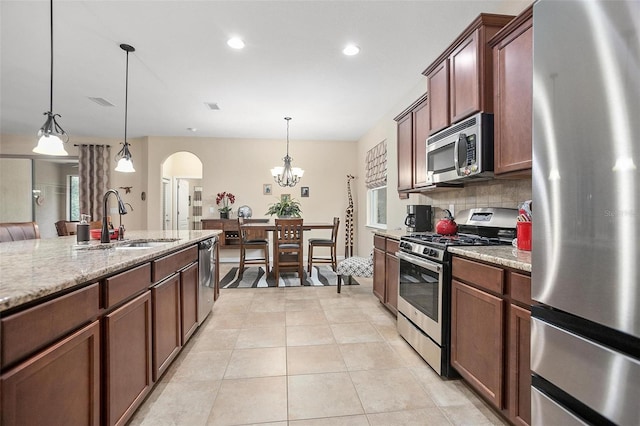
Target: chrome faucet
(104, 235)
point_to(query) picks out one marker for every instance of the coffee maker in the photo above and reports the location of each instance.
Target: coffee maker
(418, 218)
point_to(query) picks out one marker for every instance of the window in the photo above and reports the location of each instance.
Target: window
(376, 182)
(73, 197)
(377, 207)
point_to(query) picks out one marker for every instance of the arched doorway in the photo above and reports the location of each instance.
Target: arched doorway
(181, 207)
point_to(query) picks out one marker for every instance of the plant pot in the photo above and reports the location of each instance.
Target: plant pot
(224, 215)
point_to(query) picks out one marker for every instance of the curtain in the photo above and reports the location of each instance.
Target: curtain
(94, 176)
(377, 166)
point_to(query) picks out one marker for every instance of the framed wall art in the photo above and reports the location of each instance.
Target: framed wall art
(304, 191)
(266, 189)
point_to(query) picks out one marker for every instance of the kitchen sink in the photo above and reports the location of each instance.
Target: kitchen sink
(130, 245)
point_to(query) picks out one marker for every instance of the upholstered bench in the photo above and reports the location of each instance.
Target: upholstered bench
(354, 266)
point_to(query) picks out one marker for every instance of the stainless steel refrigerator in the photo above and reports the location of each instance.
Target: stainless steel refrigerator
(585, 343)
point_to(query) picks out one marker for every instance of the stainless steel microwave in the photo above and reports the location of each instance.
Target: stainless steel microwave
(461, 151)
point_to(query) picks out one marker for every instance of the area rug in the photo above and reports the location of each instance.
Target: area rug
(255, 277)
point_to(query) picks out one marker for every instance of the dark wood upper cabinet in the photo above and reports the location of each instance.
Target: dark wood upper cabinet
(420, 134)
(513, 95)
(405, 152)
(413, 128)
(460, 80)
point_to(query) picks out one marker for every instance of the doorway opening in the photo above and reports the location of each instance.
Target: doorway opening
(181, 182)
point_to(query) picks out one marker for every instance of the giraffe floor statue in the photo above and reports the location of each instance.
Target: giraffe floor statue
(348, 223)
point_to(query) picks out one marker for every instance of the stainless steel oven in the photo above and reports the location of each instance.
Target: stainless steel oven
(424, 291)
(422, 305)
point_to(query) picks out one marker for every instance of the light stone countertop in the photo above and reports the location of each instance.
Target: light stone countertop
(508, 256)
(391, 233)
(33, 269)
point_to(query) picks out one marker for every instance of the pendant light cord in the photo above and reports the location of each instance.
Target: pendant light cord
(51, 73)
(126, 100)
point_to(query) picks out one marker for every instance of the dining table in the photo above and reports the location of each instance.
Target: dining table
(258, 229)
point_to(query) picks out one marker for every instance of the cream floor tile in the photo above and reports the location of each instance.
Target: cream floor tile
(198, 366)
(370, 356)
(300, 335)
(423, 417)
(344, 315)
(443, 392)
(322, 395)
(302, 305)
(314, 359)
(264, 319)
(390, 390)
(257, 362)
(305, 318)
(266, 337)
(218, 320)
(471, 414)
(356, 332)
(246, 401)
(333, 421)
(215, 339)
(179, 404)
(268, 305)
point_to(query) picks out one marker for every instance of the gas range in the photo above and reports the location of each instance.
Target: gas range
(477, 227)
(434, 246)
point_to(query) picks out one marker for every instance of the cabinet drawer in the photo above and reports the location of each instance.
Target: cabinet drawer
(520, 287)
(165, 266)
(485, 276)
(120, 287)
(392, 246)
(379, 242)
(33, 329)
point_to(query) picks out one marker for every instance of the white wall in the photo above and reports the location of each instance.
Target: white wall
(22, 145)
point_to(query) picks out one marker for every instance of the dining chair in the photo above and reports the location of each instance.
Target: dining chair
(17, 231)
(249, 242)
(288, 248)
(324, 242)
(65, 227)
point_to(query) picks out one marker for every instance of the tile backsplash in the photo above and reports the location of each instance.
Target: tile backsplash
(493, 193)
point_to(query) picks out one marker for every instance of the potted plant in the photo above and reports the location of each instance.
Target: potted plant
(284, 208)
(226, 199)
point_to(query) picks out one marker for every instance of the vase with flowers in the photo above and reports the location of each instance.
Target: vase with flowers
(225, 199)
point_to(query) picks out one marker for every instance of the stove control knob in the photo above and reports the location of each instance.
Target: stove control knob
(433, 253)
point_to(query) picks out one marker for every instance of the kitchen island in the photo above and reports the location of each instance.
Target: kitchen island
(86, 331)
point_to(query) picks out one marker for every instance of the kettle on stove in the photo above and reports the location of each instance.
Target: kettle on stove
(446, 225)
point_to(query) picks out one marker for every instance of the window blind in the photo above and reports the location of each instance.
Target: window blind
(377, 166)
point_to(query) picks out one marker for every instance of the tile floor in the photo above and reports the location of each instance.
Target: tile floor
(305, 356)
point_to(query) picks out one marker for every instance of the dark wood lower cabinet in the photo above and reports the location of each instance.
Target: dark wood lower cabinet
(127, 361)
(59, 386)
(477, 339)
(166, 323)
(379, 273)
(519, 365)
(490, 334)
(189, 300)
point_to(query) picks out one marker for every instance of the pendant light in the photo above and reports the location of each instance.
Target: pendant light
(51, 137)
(123, 157)
(287, 175)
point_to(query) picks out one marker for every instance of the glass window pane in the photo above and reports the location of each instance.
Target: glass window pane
(74, 198)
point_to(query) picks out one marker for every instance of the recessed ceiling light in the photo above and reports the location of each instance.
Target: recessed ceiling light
(351, 49)
(192, 129)
(235, 43)
(212, 106)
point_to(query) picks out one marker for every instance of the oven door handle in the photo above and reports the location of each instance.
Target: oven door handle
(434, 267)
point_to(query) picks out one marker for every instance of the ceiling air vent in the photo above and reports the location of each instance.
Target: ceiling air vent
(101, 101)
(212, 106)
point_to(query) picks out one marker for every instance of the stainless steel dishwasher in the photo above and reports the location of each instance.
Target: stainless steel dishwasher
(207, 250)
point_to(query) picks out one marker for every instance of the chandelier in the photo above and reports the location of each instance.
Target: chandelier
(51, 136)
(287, 175)
(123, 157)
